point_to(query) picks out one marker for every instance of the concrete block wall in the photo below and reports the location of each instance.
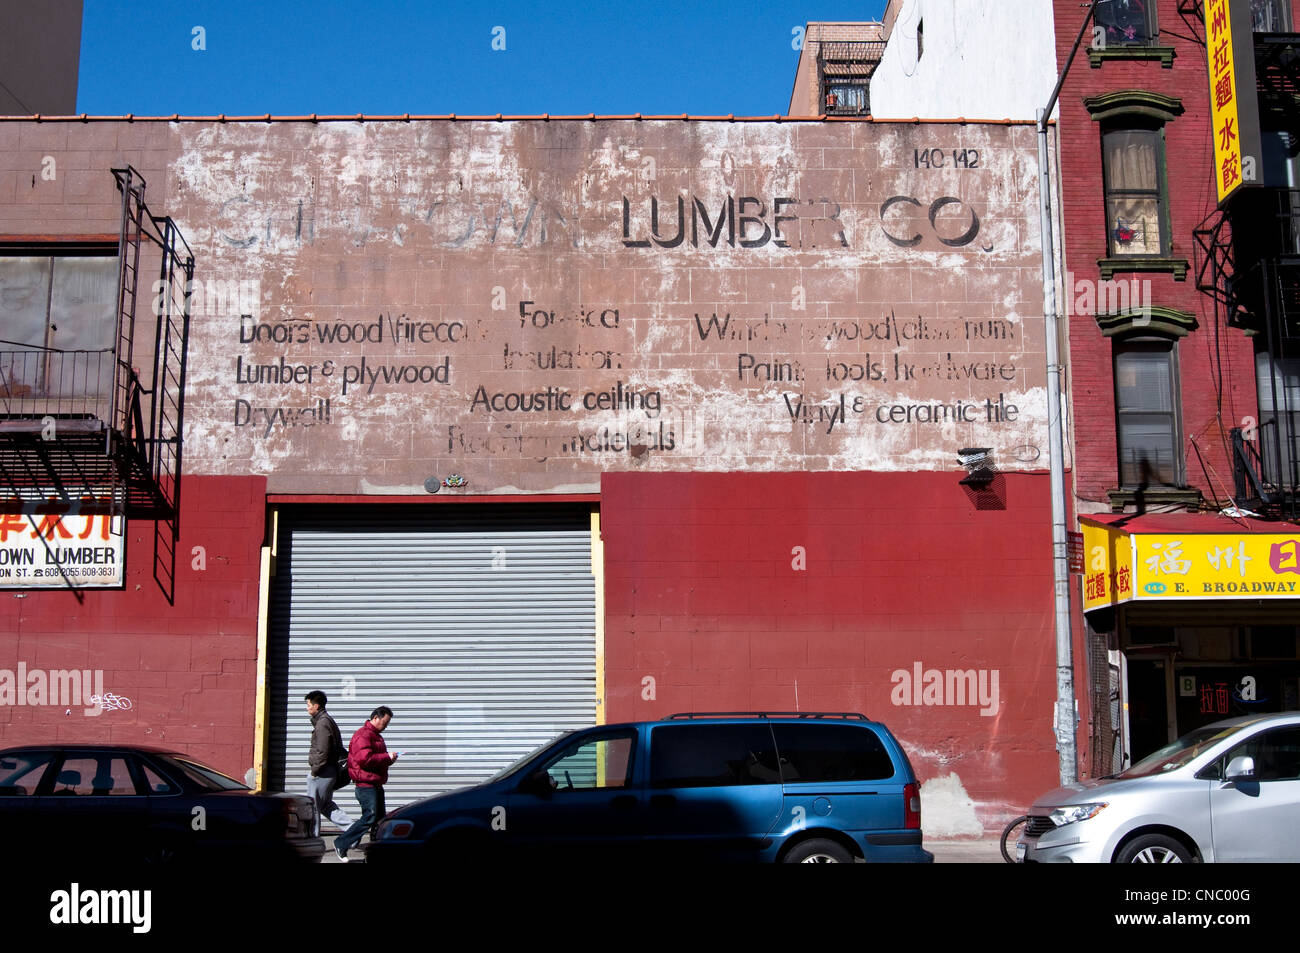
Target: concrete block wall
(189, 669)
(824, 592)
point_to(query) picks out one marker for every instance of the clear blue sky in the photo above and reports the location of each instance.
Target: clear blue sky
(292, 57)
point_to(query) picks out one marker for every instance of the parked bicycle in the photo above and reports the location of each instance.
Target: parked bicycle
(1009, 835)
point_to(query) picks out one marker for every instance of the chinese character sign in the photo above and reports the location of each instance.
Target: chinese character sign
(1234, 110)
(1119, 567)
(1107, 565)
(1217, 565)
(51, 550)
(1214, 698)
(1285, 556)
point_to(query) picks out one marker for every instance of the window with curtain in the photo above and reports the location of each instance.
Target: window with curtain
(1146, 414)
(1127, 22)
(848, 97)
(1133, 167)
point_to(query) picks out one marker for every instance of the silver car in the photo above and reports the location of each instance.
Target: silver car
(1226, 792)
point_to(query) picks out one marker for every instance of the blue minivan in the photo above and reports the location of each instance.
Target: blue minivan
(777, 787)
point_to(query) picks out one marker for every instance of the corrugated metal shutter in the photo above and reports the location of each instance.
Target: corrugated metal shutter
(475, 624)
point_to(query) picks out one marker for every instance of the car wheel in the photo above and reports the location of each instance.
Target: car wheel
(818, 851)
(1154, 849)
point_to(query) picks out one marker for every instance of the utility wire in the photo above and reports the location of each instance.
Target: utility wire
(30, 110)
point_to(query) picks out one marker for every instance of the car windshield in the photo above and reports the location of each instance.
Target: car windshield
(209, 779)
(506, 772)
(1178, 753)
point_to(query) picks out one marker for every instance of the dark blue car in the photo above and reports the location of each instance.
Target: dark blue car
(795, 788)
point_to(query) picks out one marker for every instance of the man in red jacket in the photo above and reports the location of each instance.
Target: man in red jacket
(368, 761)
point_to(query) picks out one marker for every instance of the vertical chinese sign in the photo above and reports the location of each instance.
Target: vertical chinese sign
(1108, 566)
(1234, 103)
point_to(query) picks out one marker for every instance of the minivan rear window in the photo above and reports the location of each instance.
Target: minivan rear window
(703, 755)
(831, 753)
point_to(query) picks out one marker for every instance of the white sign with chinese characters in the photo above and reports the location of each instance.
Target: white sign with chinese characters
(51, 551)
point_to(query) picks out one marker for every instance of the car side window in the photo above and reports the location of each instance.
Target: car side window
(95, 775)
(595, 763)
(705, 755)
(831, 753)
(155, 783)
(1276, 754)
(20, 774)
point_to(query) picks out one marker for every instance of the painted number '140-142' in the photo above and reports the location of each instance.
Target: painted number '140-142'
(939, 159)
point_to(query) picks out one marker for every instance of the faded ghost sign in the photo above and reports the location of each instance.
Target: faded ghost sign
(531, 303)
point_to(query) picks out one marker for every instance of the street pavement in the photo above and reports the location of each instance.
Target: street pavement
(969, 851)
(982, 851)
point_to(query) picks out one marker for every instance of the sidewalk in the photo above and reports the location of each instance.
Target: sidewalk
(357, 853)
(985, 851)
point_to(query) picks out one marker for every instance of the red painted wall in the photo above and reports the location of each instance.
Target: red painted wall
(190, 670)
(702, 598)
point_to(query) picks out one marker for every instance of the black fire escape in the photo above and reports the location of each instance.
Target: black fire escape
(1252, 272)
(98, 432)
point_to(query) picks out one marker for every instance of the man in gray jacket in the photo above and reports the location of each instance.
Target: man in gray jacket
(323, 759)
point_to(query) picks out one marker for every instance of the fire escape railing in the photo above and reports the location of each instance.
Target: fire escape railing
(89, 431)
(1254, 282)
(51, 382)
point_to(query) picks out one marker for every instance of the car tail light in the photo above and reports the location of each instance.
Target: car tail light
(394, 830)
(912, 807)
(297, 820)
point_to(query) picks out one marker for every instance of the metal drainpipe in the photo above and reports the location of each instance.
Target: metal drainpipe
(1065, 721)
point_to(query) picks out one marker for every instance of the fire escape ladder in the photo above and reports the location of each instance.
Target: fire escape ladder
(167, 406)
(128, 256)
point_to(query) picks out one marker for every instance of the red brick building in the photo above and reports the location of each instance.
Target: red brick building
(1190, 613)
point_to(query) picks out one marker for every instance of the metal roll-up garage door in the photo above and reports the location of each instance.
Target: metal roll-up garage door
(475, 624)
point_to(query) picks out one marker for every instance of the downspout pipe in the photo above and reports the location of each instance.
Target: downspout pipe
(1065, 722)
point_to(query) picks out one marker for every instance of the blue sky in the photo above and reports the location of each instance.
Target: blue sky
(291, 57)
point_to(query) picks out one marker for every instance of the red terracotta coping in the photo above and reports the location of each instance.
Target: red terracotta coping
(544, 117)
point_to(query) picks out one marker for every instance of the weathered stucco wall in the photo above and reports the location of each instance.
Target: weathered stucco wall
(986, 60)
(529, 304)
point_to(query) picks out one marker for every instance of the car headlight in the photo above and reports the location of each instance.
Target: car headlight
(394, 830)
(1073, 813)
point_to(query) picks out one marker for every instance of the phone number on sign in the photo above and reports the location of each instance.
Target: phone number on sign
(77, 573)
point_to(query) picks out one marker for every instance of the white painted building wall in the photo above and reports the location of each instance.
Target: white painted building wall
(980, 60)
